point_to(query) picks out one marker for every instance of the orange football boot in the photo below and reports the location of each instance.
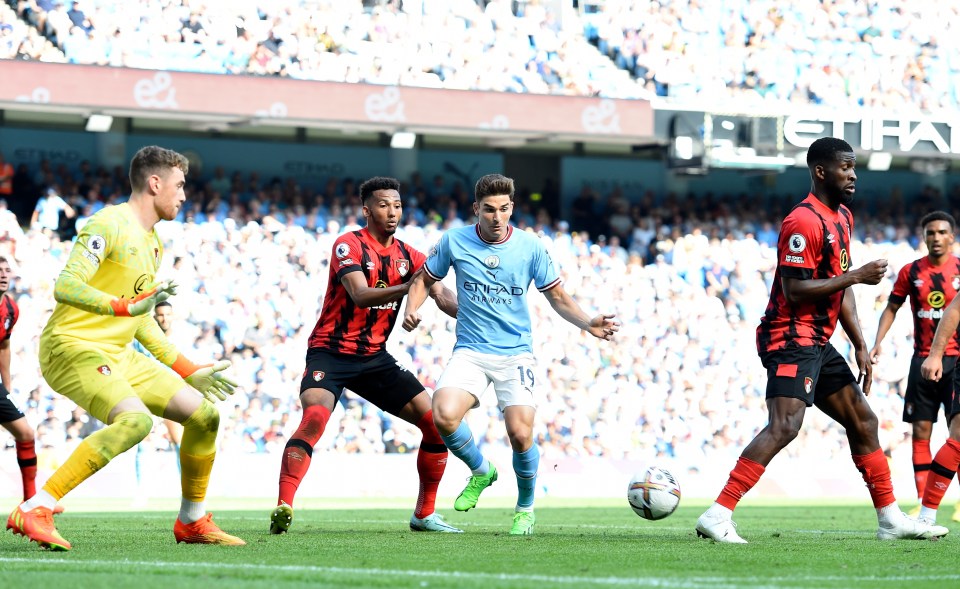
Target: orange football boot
(37, 525)
(204, 531)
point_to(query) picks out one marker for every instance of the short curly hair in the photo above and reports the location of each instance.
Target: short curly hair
(151, 160)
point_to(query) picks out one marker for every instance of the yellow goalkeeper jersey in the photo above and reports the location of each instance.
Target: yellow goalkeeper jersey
(113, 257)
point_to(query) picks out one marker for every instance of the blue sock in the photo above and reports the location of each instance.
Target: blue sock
(461, 444)
(136, 462)
(526, 464)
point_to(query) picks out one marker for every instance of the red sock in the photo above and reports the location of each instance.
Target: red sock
(921, 464)
(431, 461)
(742, 478)
(299, 450)
(876, 473)
(27, 461)
(941, 473)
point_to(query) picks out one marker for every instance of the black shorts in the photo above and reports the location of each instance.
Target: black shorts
(809, 373)
(8, 411)
(924, 397)
(379, 379)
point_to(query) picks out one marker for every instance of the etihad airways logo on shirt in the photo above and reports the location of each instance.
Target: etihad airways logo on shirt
(497, 294)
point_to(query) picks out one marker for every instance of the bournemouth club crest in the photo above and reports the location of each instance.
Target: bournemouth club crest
(808, 384)
(318, 375)
(104, 370)
(403, 267)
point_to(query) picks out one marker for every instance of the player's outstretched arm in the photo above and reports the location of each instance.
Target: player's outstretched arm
(207, 379)
(73, 284)
(152, 340)
(419, 287)
(445, 299)
(5, 364)
(797, 290)
(602, 326)
(886, 320)
(851, 325)
(932, 367)
(364, 296)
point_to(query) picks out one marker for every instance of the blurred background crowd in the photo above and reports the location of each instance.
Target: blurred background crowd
(886, 54)
(689, 278)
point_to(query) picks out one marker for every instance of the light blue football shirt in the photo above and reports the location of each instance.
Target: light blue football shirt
(492, 284)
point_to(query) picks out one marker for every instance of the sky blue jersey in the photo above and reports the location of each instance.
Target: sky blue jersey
(492, 284)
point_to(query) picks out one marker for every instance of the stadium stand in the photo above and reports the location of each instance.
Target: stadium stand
(676, 383)
(892, 55)
(839, 54)
(456, 44)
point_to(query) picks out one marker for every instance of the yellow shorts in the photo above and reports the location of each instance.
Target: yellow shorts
(97, 380)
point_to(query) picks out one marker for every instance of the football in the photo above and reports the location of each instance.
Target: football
(654, 494)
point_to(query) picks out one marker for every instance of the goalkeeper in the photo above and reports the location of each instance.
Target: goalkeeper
(105, 294)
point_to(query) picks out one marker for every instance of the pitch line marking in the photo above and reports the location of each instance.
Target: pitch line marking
(720, 582)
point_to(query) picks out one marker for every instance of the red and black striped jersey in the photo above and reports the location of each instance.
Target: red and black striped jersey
(814, 244)
(9, 313)
(346, 328)
(930, 289)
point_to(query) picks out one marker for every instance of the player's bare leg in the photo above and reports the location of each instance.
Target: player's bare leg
(201, 421)
(431, 462)
(850, 409)
(450, 405)
(317, 406)
(784, 418)
(526, 460)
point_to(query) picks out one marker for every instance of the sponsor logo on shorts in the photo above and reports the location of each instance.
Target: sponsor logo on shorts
(318, 375)
(908, 408)
(105, 370)
(808, 384)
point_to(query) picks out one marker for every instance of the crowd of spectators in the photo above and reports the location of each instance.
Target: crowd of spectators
(887, 54)
(681, 380)
(890, 54)
(19, 40)
(459, 44)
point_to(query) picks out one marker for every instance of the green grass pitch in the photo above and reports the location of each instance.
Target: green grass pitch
(605, 545)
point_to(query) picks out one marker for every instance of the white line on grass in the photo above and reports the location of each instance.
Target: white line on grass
(732, 582)
(404, 522)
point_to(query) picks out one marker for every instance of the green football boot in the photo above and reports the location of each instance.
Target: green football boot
(469, 496)
(281, 518)
(523, 523)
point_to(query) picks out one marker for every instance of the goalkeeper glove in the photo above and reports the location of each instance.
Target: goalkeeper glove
(144, 302)
(210, 381)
